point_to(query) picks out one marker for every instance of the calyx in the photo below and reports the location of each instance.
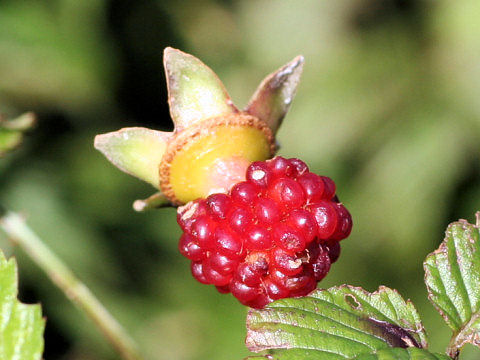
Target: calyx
(213, 142)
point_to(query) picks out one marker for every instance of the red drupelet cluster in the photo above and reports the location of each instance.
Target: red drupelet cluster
(273, 236)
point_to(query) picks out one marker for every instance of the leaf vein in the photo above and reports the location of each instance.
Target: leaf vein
(349, 326)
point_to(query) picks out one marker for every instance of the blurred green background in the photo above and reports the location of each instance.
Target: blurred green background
(389, 107)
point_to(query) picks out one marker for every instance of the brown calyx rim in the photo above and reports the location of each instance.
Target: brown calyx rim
(182, 139)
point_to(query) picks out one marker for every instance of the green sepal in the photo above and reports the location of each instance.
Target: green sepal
(195, 93)
(136, 151)
(273, 97)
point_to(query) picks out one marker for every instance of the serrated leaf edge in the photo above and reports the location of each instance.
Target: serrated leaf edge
(33, 309)
(457, 341)
(419, 330)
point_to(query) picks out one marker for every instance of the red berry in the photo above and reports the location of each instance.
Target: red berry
(344, 223)
(333, 248)
(258, 173)
(187, 214)
(259, 260)
(304, 221)
(248, 275)
(313, 186)
(239, 219)
(222, 264)
(197, 272)
(321, 263)
(280, 167)
(329, 188)
(288, 238)
(285, 262)
(287, 193)
(272, 236)
(228, 243)
(299, 166)
(242, 291)
(218, 205)
(266, 211)
(202, 229)
(259, 302)
(257, 237)
(274, 290)
(298, 282)
(213, 276)
(307, 285)
(189, 248)
(326, 216)
(244, 192)
(223, 289)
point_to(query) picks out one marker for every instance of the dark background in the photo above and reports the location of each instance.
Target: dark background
(388, 107)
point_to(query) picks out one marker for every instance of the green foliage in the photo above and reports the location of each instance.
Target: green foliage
(9, 139)
(11, 131)
(452, 275)
(55, 46)
(21, 325)
(384, 354)
(338, 323)
(402, 354)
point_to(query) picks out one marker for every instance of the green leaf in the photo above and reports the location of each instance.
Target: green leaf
(11, 131)
(403, 354)
(136, 151)
(21, 325)
(9, 139)
(273, 97)
(452, 276)
(385, 354)
(337, 323)
(195, 93)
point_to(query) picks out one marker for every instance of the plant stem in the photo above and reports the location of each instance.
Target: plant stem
(18, 231)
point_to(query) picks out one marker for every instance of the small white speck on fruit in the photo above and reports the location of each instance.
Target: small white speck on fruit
(295, 263)
(258, 174)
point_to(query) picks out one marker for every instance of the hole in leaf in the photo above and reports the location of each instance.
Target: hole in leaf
(353, 302)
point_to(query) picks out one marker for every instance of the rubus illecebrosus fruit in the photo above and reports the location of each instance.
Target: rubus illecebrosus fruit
(272, 236)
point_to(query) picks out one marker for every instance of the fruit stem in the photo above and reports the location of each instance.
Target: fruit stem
(14, 226)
